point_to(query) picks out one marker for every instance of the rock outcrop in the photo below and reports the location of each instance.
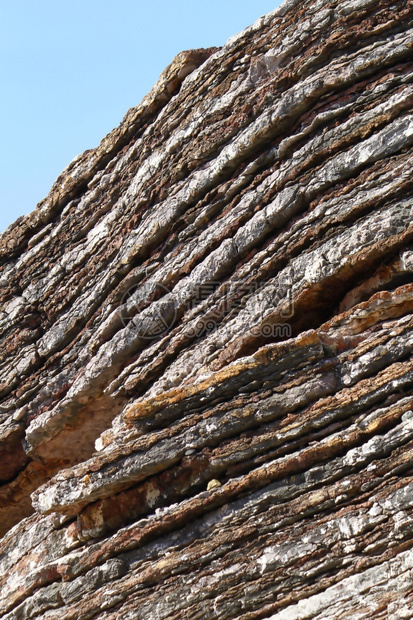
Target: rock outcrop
(206, 341)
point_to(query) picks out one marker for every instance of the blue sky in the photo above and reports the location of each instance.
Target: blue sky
(70, 69)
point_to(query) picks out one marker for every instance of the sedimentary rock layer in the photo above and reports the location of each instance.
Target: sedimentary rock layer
(206, 341)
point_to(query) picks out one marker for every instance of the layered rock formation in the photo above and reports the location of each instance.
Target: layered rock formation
(206, 339)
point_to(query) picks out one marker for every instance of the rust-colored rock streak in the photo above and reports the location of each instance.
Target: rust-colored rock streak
(206, 373)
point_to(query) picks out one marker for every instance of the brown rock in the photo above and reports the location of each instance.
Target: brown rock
(206, 341)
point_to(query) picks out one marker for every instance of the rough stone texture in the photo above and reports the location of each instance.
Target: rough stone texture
(206, 341)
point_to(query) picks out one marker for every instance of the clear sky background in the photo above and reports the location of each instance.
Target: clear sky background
(70, 69)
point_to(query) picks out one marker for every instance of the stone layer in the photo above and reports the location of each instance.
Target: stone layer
(206, 373)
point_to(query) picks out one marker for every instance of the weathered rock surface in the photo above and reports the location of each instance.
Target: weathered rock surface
(206, 339)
